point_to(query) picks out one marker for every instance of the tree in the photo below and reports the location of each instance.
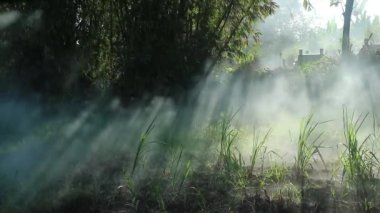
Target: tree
(346, 45)
(347, 14)
(41, 44)
(131, 47)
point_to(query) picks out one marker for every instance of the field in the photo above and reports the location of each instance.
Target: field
(234, 148)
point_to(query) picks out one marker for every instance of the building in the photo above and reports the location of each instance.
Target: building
(304, 59)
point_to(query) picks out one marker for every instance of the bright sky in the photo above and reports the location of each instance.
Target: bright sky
(324, 12)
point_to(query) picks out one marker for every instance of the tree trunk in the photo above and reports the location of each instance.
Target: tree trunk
(346, 50)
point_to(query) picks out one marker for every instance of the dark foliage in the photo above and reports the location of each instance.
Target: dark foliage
(129, 47)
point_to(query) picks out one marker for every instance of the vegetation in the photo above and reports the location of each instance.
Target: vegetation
(347, 15)
(359, 163)
(129, 47)
(307, 148)
(72, 140)
(323, 66)
(140, 183)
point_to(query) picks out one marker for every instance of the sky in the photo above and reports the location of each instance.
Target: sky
(324, 12)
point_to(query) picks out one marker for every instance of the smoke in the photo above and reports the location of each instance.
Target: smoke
(292, 28)
(41, 148)
(8, 18)
(46, 147)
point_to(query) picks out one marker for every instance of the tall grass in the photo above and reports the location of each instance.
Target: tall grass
(178, 170)
(359, 162)
(307, 148)
(258, 147)
(141, 146)
(230, 159)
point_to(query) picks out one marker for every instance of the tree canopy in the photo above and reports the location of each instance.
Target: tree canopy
(348, 8)
(129, 46)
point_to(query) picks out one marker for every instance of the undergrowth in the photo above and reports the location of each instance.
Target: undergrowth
(227, 176)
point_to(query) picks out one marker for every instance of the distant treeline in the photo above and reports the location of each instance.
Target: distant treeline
(128, 47)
